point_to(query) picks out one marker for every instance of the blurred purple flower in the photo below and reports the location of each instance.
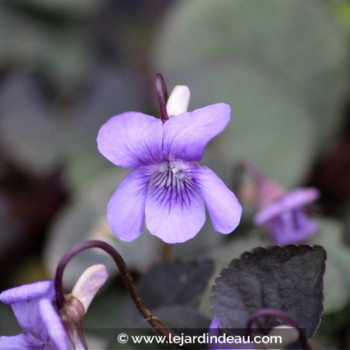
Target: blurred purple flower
(35, 313)
(286, 219)
(167, 185)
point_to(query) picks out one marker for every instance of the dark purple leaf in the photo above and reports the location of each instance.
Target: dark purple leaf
(288, 278)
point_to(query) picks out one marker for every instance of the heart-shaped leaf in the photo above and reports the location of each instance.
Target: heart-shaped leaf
(288, 278)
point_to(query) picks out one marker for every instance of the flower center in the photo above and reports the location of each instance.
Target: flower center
(172, 182)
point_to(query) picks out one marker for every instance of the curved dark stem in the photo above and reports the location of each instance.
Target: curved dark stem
(275, 313)
(155, 322)
(162, 95)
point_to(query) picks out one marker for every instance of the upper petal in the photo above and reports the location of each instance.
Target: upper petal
(174, 207)
(28, 291)
(223, 207)
(25, 299)
(126, 208)
(131, 139)
(292, 200)
(187, 134)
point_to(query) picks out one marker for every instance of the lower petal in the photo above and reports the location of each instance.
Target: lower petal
(126, 208)
(20, 342)
(174, 209)
(51, 330)
(223, 207)
(291, 227)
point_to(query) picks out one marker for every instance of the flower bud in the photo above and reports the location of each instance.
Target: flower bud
(77, 304)
(178, 100)
(89, 283)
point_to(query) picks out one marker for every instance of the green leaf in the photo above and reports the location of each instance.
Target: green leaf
(342, 9)
(279, 64)
(256, 116)
(288, 278)
(337, 276)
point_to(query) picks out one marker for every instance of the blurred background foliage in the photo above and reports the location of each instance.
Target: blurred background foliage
(66, 66)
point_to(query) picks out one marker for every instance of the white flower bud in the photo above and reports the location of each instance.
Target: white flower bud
(178, 100)
(89, 283)
(287, 333)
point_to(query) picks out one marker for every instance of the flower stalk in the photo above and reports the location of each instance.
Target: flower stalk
(165, 252)
(162, 95)
(275, 313)
(155, 322)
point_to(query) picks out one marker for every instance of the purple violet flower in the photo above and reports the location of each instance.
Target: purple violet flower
(167, 186)
(285, 217)
(35, 313)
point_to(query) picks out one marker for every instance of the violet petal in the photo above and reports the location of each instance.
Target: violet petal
(20, 342)
(224, 209)
(24, 301)
(52, 330)
(174, 207)
(291, 227)
(187, 134)
(126, 208)
(131, 139)
(292, 200)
